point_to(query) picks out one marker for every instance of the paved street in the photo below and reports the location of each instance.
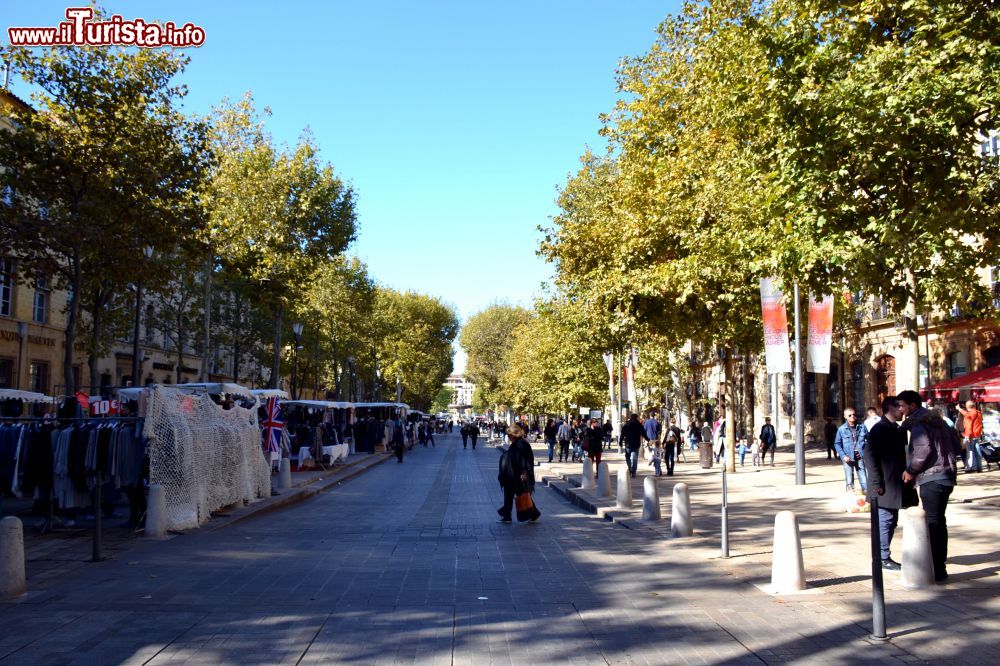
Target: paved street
(407, 564)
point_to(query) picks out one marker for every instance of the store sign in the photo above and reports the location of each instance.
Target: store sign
(104, 407)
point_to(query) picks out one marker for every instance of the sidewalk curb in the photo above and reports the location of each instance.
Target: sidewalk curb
(567, 486)
(296, 494)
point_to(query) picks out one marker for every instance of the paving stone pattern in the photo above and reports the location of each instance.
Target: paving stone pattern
(407, 564)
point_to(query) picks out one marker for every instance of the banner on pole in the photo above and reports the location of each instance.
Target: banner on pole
(820, 334)
(772, 303)
(609, 363)
(631, 363)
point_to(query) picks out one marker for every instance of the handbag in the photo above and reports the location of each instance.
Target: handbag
(526, 509)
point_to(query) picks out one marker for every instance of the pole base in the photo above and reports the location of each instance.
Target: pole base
(878, 639)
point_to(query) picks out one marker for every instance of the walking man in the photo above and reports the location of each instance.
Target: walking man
(564, 433)
(464, 431)
(830, 435)
(885, 460)
(768, 440)
(632, 436)
(473, 434)
(934, 447)
(550, 437)
(972, 431)
(850, 445)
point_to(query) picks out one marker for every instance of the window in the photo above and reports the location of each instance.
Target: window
(832, 408)
(992, 356)
(6, 286)
(6, 373)
(41, 306)
(925, 372)
(38, 377)
(956, 364)
(858, 387)
(811, 407)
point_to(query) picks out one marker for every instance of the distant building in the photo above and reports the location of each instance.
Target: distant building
(463, 389)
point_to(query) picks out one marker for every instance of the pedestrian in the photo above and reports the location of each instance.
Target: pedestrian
(932, 452)
(652, 428)
(564, 435)
(850, 445)
(669, 447)
(707, 432)
(755, 453)
(694, 436)
(517, 472)
(742, 450)
(632, 437)
(398, 439)
(430, 435)
(473, 434)
(655, 455)
(830, 435)
(871, 418)
(550, 437)
(577, 440)
(464, 432)
(594, 437)
(608, 430)
(768, 441)
(972, 434)
(720, 439)
(885, 460)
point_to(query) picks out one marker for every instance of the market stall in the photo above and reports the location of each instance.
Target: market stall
(372, 424)
(318, 430)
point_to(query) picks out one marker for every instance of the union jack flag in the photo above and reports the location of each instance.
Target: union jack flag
(271, 426)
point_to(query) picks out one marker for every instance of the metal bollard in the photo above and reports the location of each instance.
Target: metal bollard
(878, 589)
(725, 514)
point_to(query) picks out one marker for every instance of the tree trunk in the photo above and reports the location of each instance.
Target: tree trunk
(911, 349)
(749, 399)
(730, 412)
(180, 349)
(97, 315)
(237, 332)
(206, 350)
(276, 360)
(72, 318)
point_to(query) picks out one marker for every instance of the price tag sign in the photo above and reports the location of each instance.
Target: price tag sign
(104, 407)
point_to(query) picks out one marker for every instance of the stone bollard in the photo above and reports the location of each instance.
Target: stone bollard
(788, 574)
(351, 443)
(918, 565)
(588, 475)
(624, 487)
(285, 474)
(12, 579)
(156, 512)
(650, 499)
(681, 524)
(603, 480)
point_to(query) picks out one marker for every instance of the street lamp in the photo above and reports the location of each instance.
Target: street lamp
(136, 363)
(297, 332)
(350, 384)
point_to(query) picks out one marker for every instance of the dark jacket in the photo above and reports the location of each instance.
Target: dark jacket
(518, 458)
(885, 460)
(550, 432)
(934, 447)
(594, 437)
(633, 434)
(767, 434)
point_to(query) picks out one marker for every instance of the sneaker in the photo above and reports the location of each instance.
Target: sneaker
(890, 564)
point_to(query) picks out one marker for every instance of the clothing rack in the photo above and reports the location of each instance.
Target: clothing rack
(49, 524)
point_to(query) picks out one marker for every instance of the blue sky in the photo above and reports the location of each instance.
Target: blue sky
(454, 121)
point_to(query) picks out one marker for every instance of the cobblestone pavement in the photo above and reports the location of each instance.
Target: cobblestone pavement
(407, 564)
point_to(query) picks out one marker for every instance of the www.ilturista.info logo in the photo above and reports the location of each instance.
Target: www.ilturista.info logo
(80, 30)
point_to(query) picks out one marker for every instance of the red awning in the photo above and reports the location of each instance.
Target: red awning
(981, 385)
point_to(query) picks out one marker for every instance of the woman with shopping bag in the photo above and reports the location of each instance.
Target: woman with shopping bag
(517, 478)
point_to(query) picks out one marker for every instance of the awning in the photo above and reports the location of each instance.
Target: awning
(981, 385)
(267, 393)
(26, 396)
(317, 404)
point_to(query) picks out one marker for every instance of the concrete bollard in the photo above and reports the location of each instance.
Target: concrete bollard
(12, 579)
(788, 573)
(624, 487)
(285, 474)
(681, 524)
(650, 499)
(156, 512)
(588, 475)
(351, 449)
(603, 480)
(918, 565)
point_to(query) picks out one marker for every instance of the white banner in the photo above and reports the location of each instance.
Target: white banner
(820, 334)
(775, 319)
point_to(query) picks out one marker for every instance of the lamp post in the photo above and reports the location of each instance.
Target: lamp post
(136, 363)
(350, 379)
(297, 332)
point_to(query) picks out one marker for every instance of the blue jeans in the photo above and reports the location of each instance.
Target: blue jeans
(849, 474)
(887, 519)
(551, 445)
(577, 450)
(974, 457)
(656, 465)
(633, 460)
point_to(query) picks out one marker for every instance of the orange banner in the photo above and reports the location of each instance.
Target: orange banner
(820, 334)
(775, 319)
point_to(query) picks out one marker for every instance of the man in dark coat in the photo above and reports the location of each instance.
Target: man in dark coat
(830, 435)
(517, 472)
(473, 433)
(633, 435)
(464, 431)
(885, 460)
